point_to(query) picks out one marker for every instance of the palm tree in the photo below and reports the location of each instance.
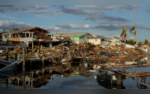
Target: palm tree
(132, 30)
(124, 34)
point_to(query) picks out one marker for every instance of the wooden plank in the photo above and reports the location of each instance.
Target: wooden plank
(144, 84)
(30, 49)
(29, 42)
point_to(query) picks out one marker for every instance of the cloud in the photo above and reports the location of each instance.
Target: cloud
(108, 18)
(110, 33)
(113, 22)
(19, 8)
(43, 16)
(29, 9)
(8, 25)
(68, 26)
(128, 8)
(91, 15)
(110, 26)
(6, 16)
(120, 8)
(38, 7)
(76, 11)
(51, 19)
(148, 11)
(45, 12)
(86, 26)
(115, 25)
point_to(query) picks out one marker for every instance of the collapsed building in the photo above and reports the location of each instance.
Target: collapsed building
(29, 36)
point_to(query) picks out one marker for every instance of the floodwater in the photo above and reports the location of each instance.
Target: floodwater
(46, 79)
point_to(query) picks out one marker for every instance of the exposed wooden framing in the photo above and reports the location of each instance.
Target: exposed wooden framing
(24, 68)
(7, 53)
(144, 84)
(32, 41)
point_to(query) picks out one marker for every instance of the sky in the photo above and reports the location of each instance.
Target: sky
(105, 20)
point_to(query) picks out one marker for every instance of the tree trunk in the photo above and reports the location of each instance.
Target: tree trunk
(134, 38)
(124, 41)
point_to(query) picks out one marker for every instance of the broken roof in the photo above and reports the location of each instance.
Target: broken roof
(23, 29)
(70, 34)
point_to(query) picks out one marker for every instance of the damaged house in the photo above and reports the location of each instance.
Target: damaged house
(96, 40)
(76, 37)
(99, 40)
(117, 40)
(31, 37)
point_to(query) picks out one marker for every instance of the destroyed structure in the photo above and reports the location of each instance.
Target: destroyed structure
(73, 54)
(30, 36)
(76, 37)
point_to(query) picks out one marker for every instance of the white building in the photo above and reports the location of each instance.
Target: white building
(117, 40)
(96, 40)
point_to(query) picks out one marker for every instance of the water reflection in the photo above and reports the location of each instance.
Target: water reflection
(42, 75)
(38, 74)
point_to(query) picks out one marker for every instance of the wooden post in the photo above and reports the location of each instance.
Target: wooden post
(32, 80)
(99, 59)
(30, 55)
(23, 68)
(124, 70)
(39, 49)
(15, 56)
(30, 73)
(30, 64)
(7, 54)
(32, 41)
(70, 67)
(43, 65)
(72, 59)
(134, 69)
(6, 84)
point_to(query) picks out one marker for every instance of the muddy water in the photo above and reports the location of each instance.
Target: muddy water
(58, 80)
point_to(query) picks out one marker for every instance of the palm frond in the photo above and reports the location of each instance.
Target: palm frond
(131, 30)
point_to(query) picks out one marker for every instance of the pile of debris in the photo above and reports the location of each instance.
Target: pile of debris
(118, 54)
